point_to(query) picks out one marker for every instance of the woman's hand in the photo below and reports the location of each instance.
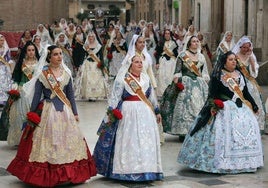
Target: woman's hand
(176, 80)
(158, 118)
(76, 118)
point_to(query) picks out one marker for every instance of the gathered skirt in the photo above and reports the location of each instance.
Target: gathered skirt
(53, 153)
(230, 143)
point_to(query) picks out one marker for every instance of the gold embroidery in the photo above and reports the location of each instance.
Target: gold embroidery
(136, 88)
(27, 71)
(245, 72)
(235, 88)
(4, 61)
(224, 49)
(55, 86)
(190, 64)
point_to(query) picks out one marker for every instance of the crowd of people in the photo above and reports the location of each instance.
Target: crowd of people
(155, 82)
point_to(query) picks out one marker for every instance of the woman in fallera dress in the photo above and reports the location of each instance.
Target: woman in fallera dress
(225, 137)
(62, 41)
(37, 42)
(248, 65)
(23, 72)
(91, 79)
(5, 70)
(137, 46)
(116, 54)
(79, 39)
(53, 151)
(128, 147)
(227, 43)
(179, 109)
(166, 54)
(6, 83)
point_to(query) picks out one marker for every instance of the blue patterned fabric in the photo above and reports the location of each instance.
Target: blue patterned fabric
(104, 152)
(230, 143)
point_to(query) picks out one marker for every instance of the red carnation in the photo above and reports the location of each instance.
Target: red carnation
(219, 104)
(110, 56)
(117, 114)
(180, 86)
(33, 117)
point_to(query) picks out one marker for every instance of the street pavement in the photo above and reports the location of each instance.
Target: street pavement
(176, 175)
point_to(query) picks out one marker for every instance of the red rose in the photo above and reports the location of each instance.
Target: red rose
(33, 117)
(117, 114)
(180, 86)
(110, 56)
(108, 48)
(219, 103)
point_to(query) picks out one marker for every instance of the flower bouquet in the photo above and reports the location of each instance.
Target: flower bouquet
(180, 86)
(216, 105)
(114, 115)
(14, 94)
(33, 119)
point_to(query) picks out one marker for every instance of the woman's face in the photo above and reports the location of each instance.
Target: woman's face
(111, 28)
(167, 35)
(91, 39)
(61, 38)
(194, 43)
(230, 62)
(84, 22)
(136, 65)
(200, 37)
(71, 26)
(78, 30)
(56, 57)
(41, 28)
(191, 28)
(229, 37)
(27, 34)
(37, 40)
(150, 27)
(140, 44)
(30, 51)
(245, 48)
(118, 35)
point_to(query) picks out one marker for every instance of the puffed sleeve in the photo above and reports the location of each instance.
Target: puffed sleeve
(37, 95)
(70, 96)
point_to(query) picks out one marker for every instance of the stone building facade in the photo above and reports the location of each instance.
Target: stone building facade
(18, 15)
(92, 7)
(242, 17)
(213, 18)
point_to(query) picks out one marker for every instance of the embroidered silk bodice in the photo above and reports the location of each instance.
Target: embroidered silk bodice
(42, 87)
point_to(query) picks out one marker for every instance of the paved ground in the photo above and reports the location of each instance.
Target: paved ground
(176, 175)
